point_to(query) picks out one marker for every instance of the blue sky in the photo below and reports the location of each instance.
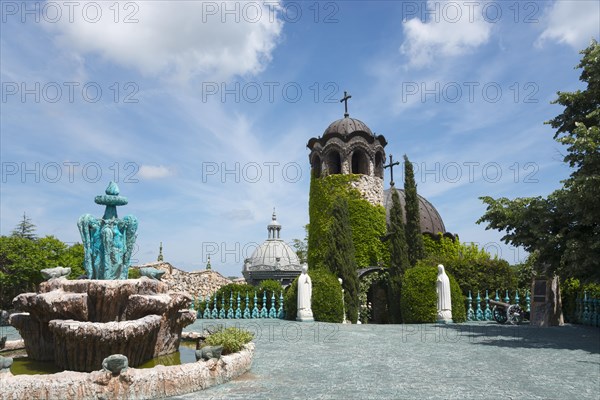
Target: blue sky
(201, 111)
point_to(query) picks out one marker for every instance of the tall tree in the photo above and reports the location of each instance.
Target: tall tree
(414, 237)
(340, 259)
(25, 229)
(398, 257)
(564, 228)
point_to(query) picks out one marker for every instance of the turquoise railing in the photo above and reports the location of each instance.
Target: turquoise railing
(234, 309)
(479, 309)
(587, 310)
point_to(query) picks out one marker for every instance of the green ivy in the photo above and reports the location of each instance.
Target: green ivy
(366, 220)
(365, 284)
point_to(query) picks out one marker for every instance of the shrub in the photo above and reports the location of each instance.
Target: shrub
(134, 273)
(326, 298)
(474, 268)
(570, 290)
(418, 299)
(226, 292)
(232, 339)
(270, 286)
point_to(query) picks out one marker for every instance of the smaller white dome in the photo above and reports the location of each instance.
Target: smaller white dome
(274, 259)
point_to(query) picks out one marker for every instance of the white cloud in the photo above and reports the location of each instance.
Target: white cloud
(154, 172)
(572, 22)
(181, 39)
(447, 34)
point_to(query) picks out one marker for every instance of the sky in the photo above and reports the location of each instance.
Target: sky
(201, 111)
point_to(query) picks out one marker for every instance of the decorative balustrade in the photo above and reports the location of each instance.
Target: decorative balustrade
(478, 308)
(587, 310)
(234, 309)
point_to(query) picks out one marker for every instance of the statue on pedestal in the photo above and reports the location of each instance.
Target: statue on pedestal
(304, 297)
(444, 301)
(108, 241)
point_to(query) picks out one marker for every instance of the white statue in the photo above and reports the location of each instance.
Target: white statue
(304, 296)
(444, 301)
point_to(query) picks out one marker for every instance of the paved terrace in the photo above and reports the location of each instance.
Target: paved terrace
(464, 361)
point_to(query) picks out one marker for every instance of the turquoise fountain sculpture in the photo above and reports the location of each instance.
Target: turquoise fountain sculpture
(108, 242)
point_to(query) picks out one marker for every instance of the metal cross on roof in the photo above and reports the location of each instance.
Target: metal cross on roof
(391, 167)
(345, 101)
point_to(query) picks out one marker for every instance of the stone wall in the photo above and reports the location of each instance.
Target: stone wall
(201, 283)
(138, 384)
(371, 188)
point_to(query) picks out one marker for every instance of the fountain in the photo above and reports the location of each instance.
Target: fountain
(79, 323)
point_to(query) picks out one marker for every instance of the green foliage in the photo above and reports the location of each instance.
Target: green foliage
(419, 296)
(25, 229)
(367, 221)
(232, 339)
(22, 259)
(134, 273)
(419, 299)
(398, 246)
(232, 289)
(394, 294)
(365, 284)
(414, 237)
(458, 299)
(326, 298)
(339, 258)
(524, 273)
(570, 290)
(301, 247)
(474, 268)
(563, 228)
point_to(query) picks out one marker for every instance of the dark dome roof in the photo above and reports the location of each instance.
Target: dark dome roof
(346, 126)
(431, 221)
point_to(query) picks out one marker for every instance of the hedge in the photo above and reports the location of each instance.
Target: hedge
(327, 305)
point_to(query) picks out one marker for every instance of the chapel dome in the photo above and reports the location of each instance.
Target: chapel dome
(346, 126)
(274, 259)
(431, 221)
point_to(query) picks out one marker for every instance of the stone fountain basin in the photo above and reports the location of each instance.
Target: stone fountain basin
(80, 322)
(74, 341)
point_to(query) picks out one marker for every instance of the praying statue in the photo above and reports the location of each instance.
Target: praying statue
(444, 302)
(304, 296)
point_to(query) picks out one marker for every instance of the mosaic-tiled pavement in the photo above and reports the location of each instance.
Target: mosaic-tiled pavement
(464, 361)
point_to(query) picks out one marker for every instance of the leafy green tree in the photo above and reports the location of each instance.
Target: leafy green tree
(564, 227)
(398, 257)
(25, 229)
(339, 257)
(414, 237)
(21, 261)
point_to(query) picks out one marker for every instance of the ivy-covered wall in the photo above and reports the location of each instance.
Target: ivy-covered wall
(367, 221)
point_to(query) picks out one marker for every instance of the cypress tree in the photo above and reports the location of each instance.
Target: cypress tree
(398, 257)
(340, 256)
(25, 229)
(414, 237)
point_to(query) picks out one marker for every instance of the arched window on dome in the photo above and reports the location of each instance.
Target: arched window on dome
(360, 162)
(379, 165)
(316, 166)
(334, 163)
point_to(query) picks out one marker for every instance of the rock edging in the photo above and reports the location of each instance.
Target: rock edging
(133, 384)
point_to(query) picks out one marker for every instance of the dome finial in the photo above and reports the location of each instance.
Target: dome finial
(345, 101)
(274, 227)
